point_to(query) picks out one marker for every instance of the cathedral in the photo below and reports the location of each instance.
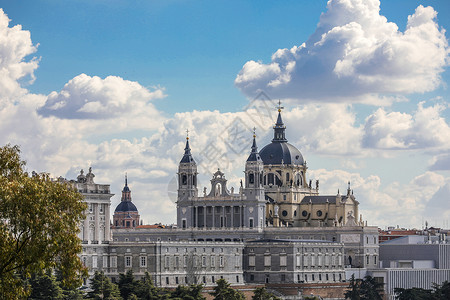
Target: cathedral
(275, 228)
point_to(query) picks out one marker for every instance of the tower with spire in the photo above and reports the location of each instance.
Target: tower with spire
(126, 214)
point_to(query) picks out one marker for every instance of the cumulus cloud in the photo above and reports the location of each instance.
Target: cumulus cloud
(353, 54)
(15, 47)
(440, 162)
(425, 129)
(86, 97)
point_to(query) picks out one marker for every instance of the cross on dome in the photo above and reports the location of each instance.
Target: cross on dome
(279, 106)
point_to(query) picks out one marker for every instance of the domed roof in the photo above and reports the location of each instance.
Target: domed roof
(277, 153)
(125, 206)
(280, 151)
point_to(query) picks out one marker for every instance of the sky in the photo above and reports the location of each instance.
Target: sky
(114, 85)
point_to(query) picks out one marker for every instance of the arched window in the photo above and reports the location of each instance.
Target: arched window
(183, 179)
(251, 178)
(271, 178)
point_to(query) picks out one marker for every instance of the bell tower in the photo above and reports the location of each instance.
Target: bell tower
(187, 174)
(254, 188)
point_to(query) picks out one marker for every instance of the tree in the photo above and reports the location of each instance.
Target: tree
(146, 290)
(261, 293)
(191, 292)
(367, 289)
(412, 294)
(127, 284)
(45, 286)
(223, 291)
(39, 221)
(354, 288)
(442, 291)
(103, 288)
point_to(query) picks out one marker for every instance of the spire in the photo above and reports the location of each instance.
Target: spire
(254, 155)
(126, 192)
(279, 128)
(187, 157)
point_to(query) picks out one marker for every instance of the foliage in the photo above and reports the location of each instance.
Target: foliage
(367, 289)
(145, 289)
(223, 291)
(438, 292)
(38, 226)
(191, 292)
(45, 286)
(103, 288)
(261, 293)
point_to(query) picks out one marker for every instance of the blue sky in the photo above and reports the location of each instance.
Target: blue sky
(373, 118)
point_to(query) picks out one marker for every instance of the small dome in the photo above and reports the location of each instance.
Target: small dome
(277, 153)
(125, 206)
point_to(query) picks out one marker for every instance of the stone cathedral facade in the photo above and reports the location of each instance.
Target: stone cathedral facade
(276, 228)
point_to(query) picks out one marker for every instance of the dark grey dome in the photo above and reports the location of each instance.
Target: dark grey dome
(281, 152)
(125, 206)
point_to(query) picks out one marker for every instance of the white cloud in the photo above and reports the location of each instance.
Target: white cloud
(15, 47)
(86, 97)
(353, 54)
(440, 162)
(425, 129)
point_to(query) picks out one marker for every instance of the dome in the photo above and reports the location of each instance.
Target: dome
(125, 206)
(277, 153)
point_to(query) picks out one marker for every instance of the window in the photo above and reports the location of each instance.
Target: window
(185, 258)
(284, 197)
(213, 262)
(177, 262)
(284, 213)
(127, 261)
(319, 213)
(166, 262)
(204, 279)
(237, 261)
(320, 277)
(251, 178)
(176, 280)
(283, 261)
(203, 261)
(252, 277)
(237, 279)
(105, 262)
(267, 261)
(283, 277)
(113, 261)
(305, 261)
(304, 213)
(183, 179)
(221, 262)
(94, 261)
(251, 261)
(374, 259)
(183, 223)
(367, 259)
(167, 280)
(143, 261)
(251, 222)
(101, 208)
(212, 279)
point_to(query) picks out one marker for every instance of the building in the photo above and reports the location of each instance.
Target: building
(126, 214)
(309, 238)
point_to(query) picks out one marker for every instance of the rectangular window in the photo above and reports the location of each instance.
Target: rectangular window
(251, 261)
(166, 262)
(305, 261)
(127, 261)
(94, 261)
(299, 260)
(167, 280)
(177, 262)
(283, 277)
(237, 261)
(251, 225)
(267, 261)
(283, 261)
(143, 262)
(213, 262)
(221, 261)
(176, 280)
(203, 261)
(113, 261)
(374, 259)
(367, 259)
(185, 259)
(105, 262)
(313, 260)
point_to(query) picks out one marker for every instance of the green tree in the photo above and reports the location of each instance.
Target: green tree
(38, 226)
(412, 294)
(103, 288)
(442, 291)
(354, 289)
(127, 284)
(367, 289)
(146, 290)
(261, 293)
(223, 291)
(191, 292)
(45, 286)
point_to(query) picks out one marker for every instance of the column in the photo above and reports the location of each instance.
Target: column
(196, 216)
(107, 223)
(86, 227)
(213, 216)
(232, 216)
(97, 222)
(223, 216)
(204, 216)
